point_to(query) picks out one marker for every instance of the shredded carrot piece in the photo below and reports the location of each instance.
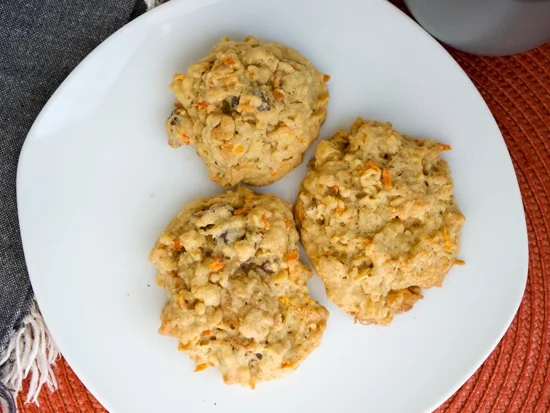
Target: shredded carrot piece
(264, 218)
(276, 84)
(448, 246)
(185, 138)
(286, 365)
(327, 253)
(288, 223)
(201, 104)
(373, 165)
(201, 367)
(367, 241)
(251, 384)
(290, 258)
(229, 61)
(335, 187)
(386, 178)
(230, 147)
(178, 105)
(240, 210)
(292, 255)
(206, 332)
(274, 173)
(210, 83)
(370, 165)
(278, 94)
(340, 210)
(216, 265)
(460, 262)
(326, 78)
(245, 206)
(445, 147)
(177, 245)
(285, 131)
(300, 139)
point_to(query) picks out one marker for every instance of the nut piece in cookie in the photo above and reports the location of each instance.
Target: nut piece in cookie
(378, 219)
(250, 108)
(236, 287)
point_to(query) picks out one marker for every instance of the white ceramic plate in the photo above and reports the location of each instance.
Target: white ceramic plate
(97, 183)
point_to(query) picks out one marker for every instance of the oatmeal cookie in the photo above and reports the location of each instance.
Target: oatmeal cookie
(236, 287)
(378, 219)
(251, 109)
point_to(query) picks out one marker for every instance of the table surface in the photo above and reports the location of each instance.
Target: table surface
(516, 376)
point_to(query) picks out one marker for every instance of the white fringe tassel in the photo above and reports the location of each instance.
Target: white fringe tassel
(30, 350)
(151, 4)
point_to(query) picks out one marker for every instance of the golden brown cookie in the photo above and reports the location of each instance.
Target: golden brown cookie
(251, 109)
(236, 287)
(378, 219)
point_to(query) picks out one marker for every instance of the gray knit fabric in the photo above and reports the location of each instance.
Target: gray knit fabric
(41, 42)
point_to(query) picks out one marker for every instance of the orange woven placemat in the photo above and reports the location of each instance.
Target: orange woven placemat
(516, 376)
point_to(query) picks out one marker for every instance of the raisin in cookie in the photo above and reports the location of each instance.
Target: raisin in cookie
(378, 219)
(251, 109)
(236, 287)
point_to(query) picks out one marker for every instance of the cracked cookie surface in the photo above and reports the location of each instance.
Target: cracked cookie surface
(236, 287)
(251, 109)
(378, 219)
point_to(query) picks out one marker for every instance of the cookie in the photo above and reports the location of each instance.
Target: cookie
(251, 109)
(236, 287)
(378, 219)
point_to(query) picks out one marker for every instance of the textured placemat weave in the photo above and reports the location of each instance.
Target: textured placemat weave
(516, 376)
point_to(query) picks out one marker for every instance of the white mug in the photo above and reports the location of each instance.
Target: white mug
(485, 27)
